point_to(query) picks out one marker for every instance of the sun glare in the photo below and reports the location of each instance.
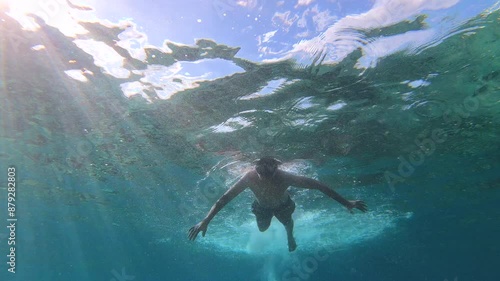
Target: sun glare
(56, 13)
(21, 6)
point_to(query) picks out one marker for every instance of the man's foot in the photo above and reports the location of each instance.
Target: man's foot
(292, 245)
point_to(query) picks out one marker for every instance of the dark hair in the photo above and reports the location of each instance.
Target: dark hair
(267, 160)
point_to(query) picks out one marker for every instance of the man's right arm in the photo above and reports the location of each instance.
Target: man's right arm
(229, 195)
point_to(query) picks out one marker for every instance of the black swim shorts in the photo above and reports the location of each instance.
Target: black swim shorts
(283, 213)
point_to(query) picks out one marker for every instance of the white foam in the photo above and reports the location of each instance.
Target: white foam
(313, 230)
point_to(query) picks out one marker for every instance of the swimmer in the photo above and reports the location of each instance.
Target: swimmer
(269, 185)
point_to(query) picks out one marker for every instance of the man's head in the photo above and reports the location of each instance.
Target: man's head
(266, 167)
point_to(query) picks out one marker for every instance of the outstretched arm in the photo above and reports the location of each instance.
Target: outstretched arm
(229, 195)
(304, 182)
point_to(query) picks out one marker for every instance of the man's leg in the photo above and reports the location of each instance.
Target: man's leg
(284, 215)
(262, 215)
(289, 233)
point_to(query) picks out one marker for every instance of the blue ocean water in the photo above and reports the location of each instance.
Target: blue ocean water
(115, 142)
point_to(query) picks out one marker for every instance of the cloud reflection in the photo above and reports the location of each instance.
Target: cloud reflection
(347, 34)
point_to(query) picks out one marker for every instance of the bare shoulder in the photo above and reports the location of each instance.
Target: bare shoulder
(244, 182)
(250, 176)
(292, 179)
(287, 177)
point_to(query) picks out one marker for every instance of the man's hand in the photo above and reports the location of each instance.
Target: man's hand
(358, 204)
(193, 231)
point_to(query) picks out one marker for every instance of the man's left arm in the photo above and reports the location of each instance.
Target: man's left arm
(305, 182)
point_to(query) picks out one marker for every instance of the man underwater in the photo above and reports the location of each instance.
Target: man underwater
(269, 185)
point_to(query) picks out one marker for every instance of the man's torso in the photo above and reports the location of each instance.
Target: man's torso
(270, 193)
